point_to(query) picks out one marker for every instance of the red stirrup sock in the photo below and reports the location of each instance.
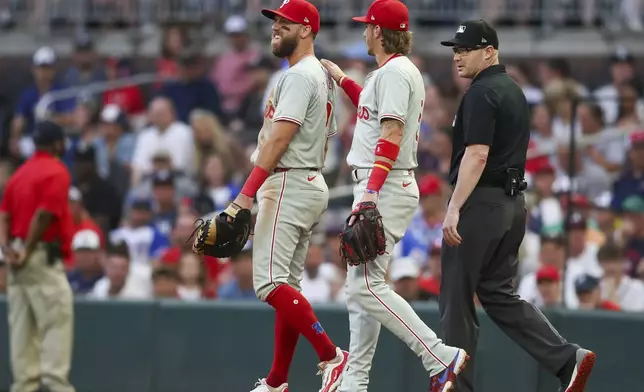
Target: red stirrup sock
(297, 311)
(286, 337)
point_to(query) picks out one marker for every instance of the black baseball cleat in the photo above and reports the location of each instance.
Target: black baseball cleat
(576, 380)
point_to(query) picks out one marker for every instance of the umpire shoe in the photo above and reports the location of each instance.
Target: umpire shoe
(261, 386)
(576, 380)
(444, 381)
(331, 371)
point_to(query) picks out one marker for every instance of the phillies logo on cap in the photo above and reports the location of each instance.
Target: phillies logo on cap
(284, 3)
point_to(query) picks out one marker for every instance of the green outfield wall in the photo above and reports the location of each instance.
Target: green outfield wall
(226, 347)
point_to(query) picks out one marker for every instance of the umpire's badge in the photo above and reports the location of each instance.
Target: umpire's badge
(460, 30)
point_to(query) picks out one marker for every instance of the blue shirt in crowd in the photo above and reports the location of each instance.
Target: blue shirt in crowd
(29, 99)
(195, 94)
(232, 291)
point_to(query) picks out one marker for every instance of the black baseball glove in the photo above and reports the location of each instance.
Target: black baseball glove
(364, 240)
(225, 235)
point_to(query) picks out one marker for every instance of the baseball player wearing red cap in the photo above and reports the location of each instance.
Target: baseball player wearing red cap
(291, 192)
(383, 155)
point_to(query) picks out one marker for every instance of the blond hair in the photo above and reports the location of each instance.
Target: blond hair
(396, 41)
(220, 142)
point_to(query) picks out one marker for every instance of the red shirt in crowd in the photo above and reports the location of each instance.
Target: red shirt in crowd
(130, 99)
(40, 183)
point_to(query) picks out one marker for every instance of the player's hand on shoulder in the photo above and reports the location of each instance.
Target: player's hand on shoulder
(333, 69)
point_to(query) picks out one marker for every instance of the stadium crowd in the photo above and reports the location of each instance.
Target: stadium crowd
(147, 164)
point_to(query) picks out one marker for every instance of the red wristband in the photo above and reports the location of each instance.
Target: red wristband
(378, 175)
(256, 179)
(387, 149)
(352, 89)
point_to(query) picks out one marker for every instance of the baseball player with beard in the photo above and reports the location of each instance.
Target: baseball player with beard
(291, 192)
(383, 155)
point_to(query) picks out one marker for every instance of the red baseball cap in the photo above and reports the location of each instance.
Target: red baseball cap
(297, 11)
(388, 14)
(548, 272)
(430, 184)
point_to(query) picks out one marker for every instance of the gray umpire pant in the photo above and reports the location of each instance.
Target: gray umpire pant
(492, 226)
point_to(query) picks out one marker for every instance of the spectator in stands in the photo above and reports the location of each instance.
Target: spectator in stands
(589, 294)
(81, 219)
(249, 119)
(181, 244)
(604, 219)
(585, 179)
(606, 151)
(631, 181)
(542, 134)
(118, 282)
(404, 273)
(88, 262)
(44, 74)
(426, 226)
(430, 280)
(100, 198)
(145, 243)
(193, 90)
(559, 97)
(440, 149)
(165, 202)
(230, 72)
(520, 72)
(174, 40)
(549, 286)
(557, 70)
(86, 68)
(166, 133)
(552, 253)
(211, 137)
(129, 99)
(630, 110)
(633, 230)
(83, 130)
(217, 189)
(582, 254)
(115, 148)
(318, 274)
(193, 277)
(616, 286)
(622, 69)
(241, 284)
(165, 283)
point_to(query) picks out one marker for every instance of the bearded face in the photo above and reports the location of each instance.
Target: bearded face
(285, 37)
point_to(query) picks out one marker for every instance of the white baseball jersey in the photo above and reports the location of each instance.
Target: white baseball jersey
(395, 90)
(304, 95)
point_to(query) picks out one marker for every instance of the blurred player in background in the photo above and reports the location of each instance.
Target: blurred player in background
(291, 191)
(383, 155)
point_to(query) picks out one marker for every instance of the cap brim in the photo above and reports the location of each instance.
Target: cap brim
(271, 14)
(454, 42)
(361, 19)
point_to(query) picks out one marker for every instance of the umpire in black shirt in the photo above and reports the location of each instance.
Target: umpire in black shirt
(486, 217)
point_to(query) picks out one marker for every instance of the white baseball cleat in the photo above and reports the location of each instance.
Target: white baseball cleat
(261, 386)
(331, 371)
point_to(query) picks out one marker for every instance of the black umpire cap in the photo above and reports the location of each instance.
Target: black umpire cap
(474, 34)
(47, 132)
